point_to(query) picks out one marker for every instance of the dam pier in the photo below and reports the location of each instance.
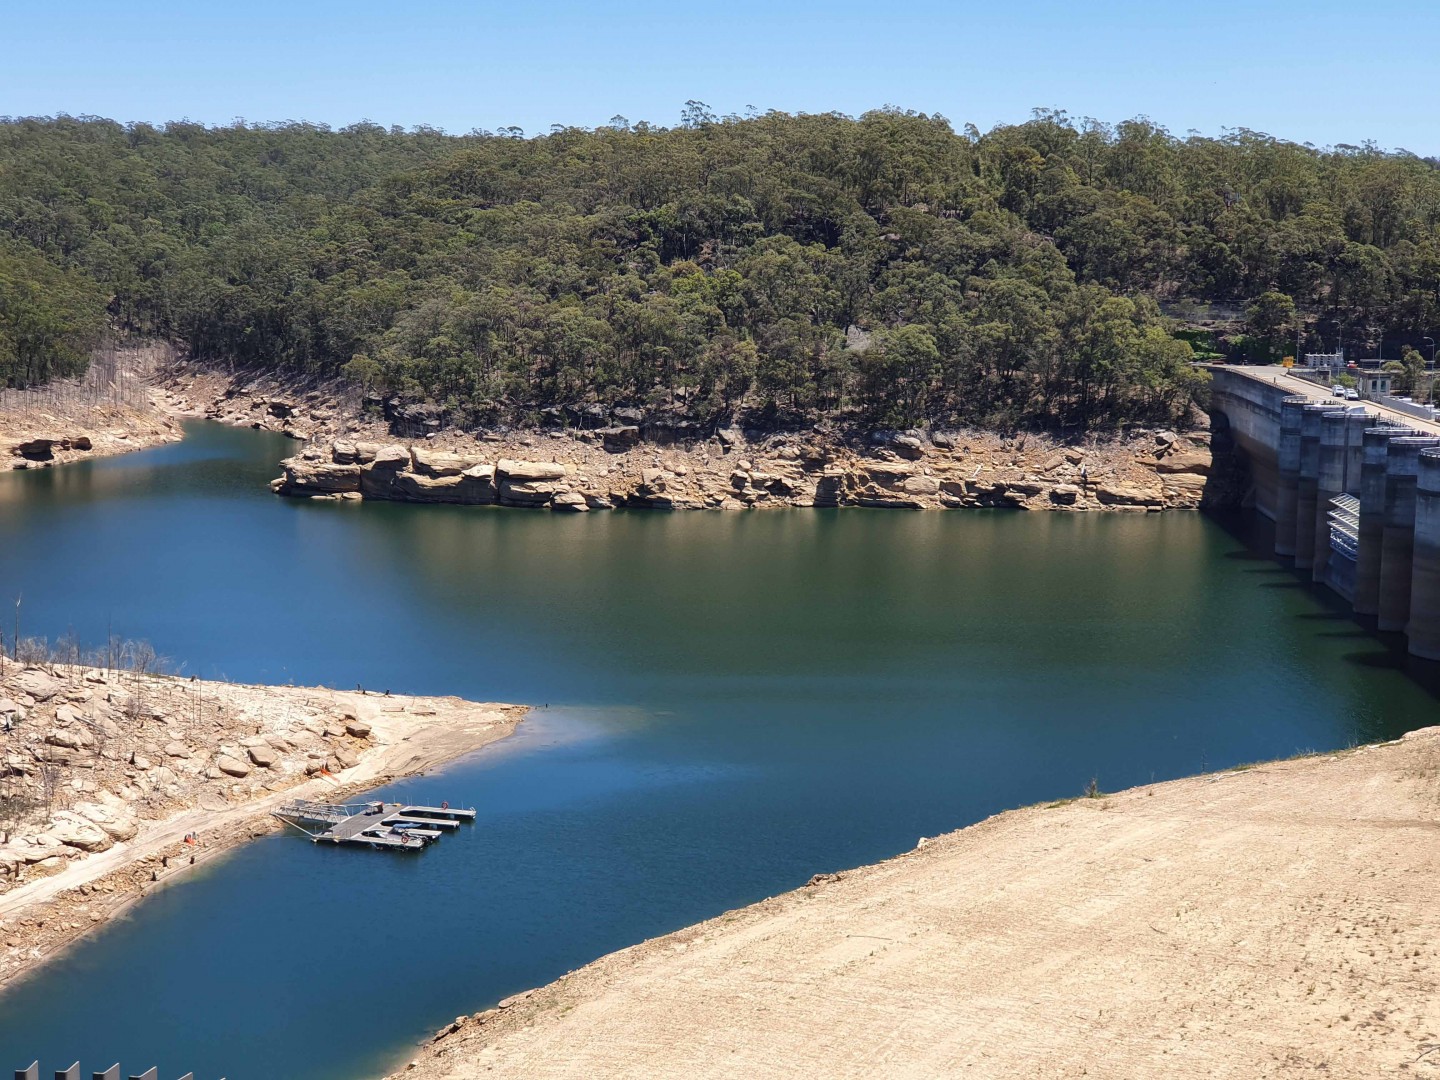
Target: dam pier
(1353, 489)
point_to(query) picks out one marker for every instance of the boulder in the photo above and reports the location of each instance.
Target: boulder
(526, 494)
(598, 502)
(920, 485)
(345, 757)
(412, 418)
(232, 766)
(177, 749)
(1024, 487)
(528, 472)
(907, 446)
(37, 684)
(263, 756)
(71, 738)
(627, 417)
(358, 729)
(303, 477)
(619, 439)
(81, 442)
(887, 474)
(436, 463)
(774, 484)
(74, 831)
(1185, 460)
(570, 501)
(477, 485)
(1064, 494)
(415, 488)
(343, 452)
(378, 483)
(828, 488)
(391, 458)
(37, 449)
(942, 441)
(115, 822)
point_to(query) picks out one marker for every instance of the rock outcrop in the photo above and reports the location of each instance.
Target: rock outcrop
(612, 467)
(89, 757)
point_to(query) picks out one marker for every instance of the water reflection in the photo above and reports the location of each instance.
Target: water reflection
(736, 702)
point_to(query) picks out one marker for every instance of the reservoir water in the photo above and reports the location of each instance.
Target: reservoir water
(726, 705)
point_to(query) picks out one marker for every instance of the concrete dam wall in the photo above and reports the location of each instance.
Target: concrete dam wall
(1354, 495)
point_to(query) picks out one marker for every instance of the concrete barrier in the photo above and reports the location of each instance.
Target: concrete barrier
(1402, 467)
(1287, 471)
(1307, 487)
(1423, 629)
(1376, 443)
(1342, 435)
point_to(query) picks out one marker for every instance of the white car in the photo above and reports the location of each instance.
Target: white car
(1351, 394)
(1338, 390)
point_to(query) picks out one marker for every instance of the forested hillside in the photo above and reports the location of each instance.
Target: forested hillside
(886, 268)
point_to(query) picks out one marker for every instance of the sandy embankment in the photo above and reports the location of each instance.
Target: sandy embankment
(134, 763)
(1277, 921)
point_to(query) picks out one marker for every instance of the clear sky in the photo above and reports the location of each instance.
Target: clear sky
(1324, 71)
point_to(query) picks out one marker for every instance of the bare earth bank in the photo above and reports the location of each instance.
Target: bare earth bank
(113, 409)
(104, 774)
(1268, 922)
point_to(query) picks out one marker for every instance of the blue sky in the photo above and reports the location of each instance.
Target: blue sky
(1323, 72)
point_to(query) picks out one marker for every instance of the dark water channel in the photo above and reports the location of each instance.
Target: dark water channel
(732, 703)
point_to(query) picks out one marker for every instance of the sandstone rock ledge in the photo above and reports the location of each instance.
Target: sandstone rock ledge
(611, 468)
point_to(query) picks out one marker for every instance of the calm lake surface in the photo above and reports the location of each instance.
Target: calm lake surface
(727, 704)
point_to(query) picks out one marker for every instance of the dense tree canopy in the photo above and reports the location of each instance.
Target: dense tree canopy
(885, 267)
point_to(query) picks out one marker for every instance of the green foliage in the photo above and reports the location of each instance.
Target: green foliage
(885, 268)
(1412, 371)
(1269, 324)
(50, 318)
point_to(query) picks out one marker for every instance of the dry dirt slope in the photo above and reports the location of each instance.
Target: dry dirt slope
(1277, 921)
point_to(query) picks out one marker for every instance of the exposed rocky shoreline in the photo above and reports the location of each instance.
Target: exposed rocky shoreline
(104, 773)
(113, 409)
(624, 461)
(42, 438)
(579, 471)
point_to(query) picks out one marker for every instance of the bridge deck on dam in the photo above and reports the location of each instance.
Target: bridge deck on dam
(1296, 386)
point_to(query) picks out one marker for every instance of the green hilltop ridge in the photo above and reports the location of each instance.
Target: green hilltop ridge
(789, 268)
